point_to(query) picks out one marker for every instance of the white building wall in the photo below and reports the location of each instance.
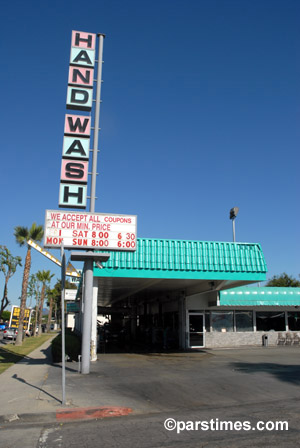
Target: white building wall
(203, 303)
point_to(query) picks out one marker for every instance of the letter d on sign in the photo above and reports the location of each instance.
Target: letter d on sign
(79, 99)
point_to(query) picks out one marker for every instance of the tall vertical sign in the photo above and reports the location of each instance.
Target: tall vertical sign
(77, 132)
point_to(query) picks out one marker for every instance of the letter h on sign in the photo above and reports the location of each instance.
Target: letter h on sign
(81, 77)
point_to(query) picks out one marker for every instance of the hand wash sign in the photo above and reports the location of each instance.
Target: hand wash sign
(76, 145)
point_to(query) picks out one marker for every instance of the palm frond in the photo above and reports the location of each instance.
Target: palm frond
(36, 232)
(21, 235)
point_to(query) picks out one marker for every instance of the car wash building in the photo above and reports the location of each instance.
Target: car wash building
(192, 294)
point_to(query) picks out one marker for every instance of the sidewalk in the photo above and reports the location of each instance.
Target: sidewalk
(31, 391)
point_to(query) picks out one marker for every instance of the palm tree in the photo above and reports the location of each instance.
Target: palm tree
(34, 291)
(51, 300)
(8, 265)
(22, 235)
(45, 278)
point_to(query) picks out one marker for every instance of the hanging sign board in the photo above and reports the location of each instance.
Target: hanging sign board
(15, 317)
(73, 307)
(90, 230)
(70, 294)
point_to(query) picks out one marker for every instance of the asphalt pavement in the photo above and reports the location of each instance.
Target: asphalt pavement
(252, 383)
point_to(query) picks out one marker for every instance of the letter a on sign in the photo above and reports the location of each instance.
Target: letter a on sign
(76, 147)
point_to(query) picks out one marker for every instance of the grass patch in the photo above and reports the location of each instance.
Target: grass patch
(10, 353)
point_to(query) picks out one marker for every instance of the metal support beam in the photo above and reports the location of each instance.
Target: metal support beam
(88, 269)
(89, 258)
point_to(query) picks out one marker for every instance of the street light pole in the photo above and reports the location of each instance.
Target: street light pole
(233, 230)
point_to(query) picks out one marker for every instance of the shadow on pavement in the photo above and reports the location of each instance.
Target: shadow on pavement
(16, 377)
(286, 373)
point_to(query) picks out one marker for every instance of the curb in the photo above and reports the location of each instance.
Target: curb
(91, 413)
(66, 415)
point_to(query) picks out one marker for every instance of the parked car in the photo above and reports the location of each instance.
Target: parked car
(10, 333)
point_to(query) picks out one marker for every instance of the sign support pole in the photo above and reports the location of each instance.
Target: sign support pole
(63, 347)
(88, 290)
(96, 123)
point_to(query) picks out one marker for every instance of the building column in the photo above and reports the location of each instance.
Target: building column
(286, 321)
(94, 341)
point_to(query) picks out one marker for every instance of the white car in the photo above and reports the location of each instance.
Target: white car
(10, 333)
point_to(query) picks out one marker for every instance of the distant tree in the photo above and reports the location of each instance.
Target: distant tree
(45, 278)
(283, 280)
(55, 298)
(22, 235)
(51, 295)
(8, 265)
(6, 316)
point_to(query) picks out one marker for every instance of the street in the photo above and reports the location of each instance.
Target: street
(148, 430)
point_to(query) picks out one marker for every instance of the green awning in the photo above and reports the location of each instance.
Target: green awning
(265, 296)
(185, 259)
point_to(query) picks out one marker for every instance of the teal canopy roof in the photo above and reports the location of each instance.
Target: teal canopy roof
(265, 296)
(181, 259)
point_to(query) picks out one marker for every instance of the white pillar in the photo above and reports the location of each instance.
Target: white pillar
(286, 321)
(94, 341)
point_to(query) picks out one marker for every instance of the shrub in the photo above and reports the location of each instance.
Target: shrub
(72, 346)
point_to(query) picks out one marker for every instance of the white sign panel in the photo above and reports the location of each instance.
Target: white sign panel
(90, 230)
(70, 294)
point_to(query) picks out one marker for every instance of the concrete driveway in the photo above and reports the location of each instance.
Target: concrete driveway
(173, 381)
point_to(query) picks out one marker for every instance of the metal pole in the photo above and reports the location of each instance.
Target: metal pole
(88, 291)
(96, 123)
(233, 230)
(87, 318)
(63, 347)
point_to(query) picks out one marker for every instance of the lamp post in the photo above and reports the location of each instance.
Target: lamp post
(232, 215)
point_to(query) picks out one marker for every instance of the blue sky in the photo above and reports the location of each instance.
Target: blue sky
(200, 113)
